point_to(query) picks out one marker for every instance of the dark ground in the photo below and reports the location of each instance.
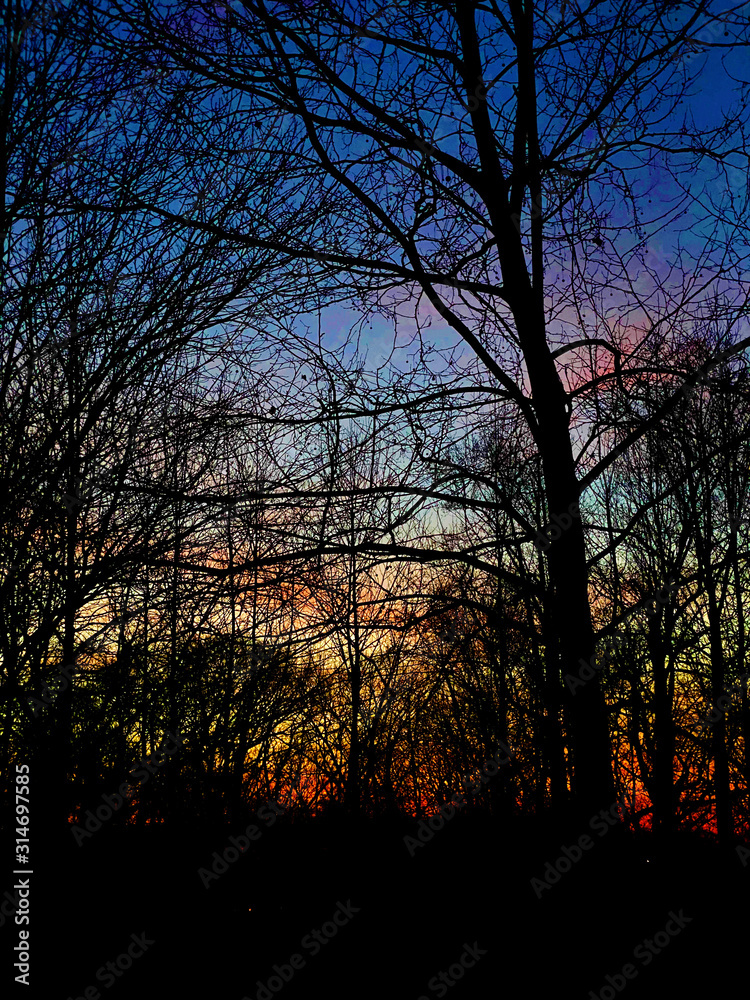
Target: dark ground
(470, 883)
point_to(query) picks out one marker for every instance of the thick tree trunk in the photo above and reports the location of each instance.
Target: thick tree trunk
(552, 739)
(664, 737)
(524, 293)
(587, 714)
(553, 778)
(61, 763)
(502, 791)
(566, 558)
(744, 706)
(352, 789)
(724, 824)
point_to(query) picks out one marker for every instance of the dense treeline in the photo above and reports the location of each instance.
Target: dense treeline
(256, 667)
(349, 566)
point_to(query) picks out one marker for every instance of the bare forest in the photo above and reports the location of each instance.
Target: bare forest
(375, 443)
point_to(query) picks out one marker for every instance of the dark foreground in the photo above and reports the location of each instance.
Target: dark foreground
(365, 918)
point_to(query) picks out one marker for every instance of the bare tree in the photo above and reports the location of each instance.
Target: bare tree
(483, 166)
(103, 315)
